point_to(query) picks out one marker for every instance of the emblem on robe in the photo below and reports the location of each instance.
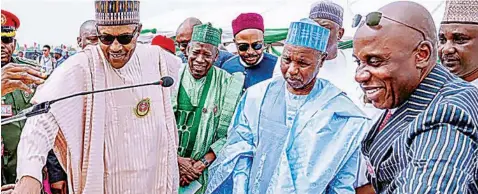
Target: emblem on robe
(142, 108)
(4, 20)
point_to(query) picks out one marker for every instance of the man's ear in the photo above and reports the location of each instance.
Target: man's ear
(140, 27)
(340, 33)
(423, 55)
(217, 54)
(78, 41)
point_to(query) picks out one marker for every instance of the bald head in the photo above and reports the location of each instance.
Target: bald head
(416, 16)
(395, 55)
(88, 34)
(185, 32)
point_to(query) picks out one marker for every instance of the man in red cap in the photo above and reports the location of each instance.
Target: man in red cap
(257, 66)
(165, 43)
(18, 76)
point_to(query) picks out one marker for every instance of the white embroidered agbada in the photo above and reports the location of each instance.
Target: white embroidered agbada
(103, 146)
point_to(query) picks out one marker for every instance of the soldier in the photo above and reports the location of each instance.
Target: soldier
(19, 78)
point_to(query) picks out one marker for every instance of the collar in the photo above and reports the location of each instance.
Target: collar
(246, 65)
(472, 76)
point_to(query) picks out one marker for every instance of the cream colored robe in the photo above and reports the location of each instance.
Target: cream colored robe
(101, 143)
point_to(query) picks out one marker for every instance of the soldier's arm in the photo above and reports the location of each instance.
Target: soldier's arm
(37, 139)
(19, 74)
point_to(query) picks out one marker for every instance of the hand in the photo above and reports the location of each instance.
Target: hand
(18, 76)
(187, 170)
(199, 166)
(183, 181)
(8, 189)
(27, 185)
(59, 186)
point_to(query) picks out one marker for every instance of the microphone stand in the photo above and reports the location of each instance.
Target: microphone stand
(44, 107)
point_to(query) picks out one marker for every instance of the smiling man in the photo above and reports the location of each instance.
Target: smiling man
(115, 142)
(204, 106)
(425, 141)
(458, 39)
(292, 134)
(252, 61)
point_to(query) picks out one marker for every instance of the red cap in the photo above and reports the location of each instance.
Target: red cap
(10, 20)
(164, 42)
(247, 21)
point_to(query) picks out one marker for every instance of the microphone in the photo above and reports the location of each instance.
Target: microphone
(44, 107)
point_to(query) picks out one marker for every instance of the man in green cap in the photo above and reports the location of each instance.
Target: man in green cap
(206, 100)
(19, 75)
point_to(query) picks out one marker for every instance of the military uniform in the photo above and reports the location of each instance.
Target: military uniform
(12, 104)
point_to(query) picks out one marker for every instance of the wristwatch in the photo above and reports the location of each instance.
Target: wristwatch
(205, 162)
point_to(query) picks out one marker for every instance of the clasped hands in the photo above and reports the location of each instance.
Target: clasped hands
(189, 170)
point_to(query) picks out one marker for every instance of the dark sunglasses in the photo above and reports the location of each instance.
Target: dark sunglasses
(182, 44)
(123, 39)
(373, 19)
(7, 40)
(244, 46)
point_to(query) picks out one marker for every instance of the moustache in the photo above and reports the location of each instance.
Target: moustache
(293, 78)
(450, 57)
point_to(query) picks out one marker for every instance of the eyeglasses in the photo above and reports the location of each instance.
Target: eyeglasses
(373, 19)
(182, 44)
(123, 39)
(7, 40)
(244, 46)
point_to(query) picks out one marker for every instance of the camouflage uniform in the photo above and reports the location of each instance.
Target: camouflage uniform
(19, 100)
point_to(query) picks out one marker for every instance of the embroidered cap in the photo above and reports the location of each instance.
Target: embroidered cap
(307, 33)
(247, 21)
(205, 33)
(117, 12)
(327, 10)
(461, 11)
(10, 24)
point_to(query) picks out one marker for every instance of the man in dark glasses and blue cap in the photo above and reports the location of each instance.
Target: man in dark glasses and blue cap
(115, 142)
(425, 141)
(257, 66)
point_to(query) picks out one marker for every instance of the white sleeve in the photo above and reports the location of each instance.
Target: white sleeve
(38, 137)
(277, 71)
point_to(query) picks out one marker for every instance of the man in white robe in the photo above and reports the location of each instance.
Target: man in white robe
(292, 134)
(115, 142)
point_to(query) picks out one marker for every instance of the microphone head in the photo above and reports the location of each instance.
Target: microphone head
(167, 81)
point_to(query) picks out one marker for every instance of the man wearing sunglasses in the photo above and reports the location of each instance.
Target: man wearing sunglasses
(19, 75)
(203, 107)
(88, 34)
(115, 142)
(425, 141)
(47, 62)
(183, 38)
(257, 66)
(295, 133)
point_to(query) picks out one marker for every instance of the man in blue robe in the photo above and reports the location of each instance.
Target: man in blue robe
(257, 66)
(292, 134)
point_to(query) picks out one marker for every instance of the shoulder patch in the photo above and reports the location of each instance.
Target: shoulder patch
(23, 60)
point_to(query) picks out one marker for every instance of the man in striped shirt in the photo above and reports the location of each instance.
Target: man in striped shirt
(425, 142)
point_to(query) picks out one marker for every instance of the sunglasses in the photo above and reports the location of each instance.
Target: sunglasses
(123, 39)
(374, 18)
(244, 46)
(182, 44)
(7, 40)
